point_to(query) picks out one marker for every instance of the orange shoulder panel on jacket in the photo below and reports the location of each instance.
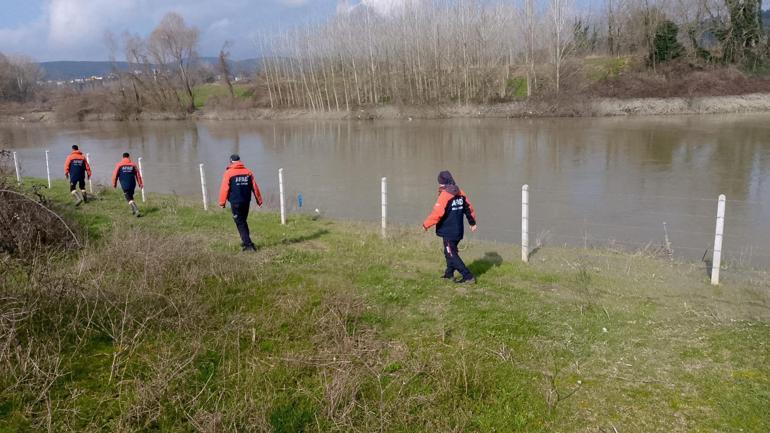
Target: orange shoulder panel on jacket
(139, 180)
(438, 210)
(255, 187)
(224, 188)
(88, 167)
(115, 174)
(67, 164)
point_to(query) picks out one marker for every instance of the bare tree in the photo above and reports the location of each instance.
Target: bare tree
(19, 77)
(224, 68)
(560, 36)
(173, 46)
(529, 20)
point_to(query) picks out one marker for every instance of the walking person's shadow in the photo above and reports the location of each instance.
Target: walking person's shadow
(481, 266)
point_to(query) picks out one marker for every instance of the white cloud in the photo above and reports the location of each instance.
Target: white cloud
(386, 7)
(74, 23)
(219, 25)
(74, 29)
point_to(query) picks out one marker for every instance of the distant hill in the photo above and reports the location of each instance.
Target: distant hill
(71, 70)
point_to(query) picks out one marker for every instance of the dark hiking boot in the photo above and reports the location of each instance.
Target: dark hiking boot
(249, 248)
(134, 209)
(447, 277)
(471, 280)
(78, 198)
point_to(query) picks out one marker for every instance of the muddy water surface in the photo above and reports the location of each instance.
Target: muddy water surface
(593, 181)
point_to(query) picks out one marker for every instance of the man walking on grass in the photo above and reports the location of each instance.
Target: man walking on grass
(76, 168)
(447, 215)
(128, 174)
(238, 185)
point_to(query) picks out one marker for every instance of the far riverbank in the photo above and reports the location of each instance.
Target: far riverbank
(600, 107)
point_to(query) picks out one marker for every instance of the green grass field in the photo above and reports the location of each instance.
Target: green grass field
(603, 68)
(162, 324)
(205, 92)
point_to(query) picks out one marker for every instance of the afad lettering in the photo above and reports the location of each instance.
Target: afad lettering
(458, 203)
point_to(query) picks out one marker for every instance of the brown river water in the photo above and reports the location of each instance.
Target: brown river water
(593, 182)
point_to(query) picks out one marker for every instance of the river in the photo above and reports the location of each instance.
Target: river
(594, 181)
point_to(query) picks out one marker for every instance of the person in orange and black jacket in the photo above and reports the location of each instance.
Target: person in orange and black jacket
(77, 169)
(128, 174)
(447, 215)
(238, 185)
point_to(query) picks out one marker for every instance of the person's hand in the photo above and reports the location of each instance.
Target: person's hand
(222, 206)
(474, 228)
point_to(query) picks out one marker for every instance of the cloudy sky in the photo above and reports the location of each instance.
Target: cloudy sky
(74, 29)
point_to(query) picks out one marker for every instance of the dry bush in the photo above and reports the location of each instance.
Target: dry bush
(136, 286)
(681, 79)
(73, 105)
(348, 354)
(31, 226)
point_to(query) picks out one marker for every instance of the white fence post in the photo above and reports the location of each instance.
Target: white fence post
(525, 223)
(283, 198)
(384, 191)
(717, 259)
(203, 188)
(141, 174)
(48, 169)
(90, 181)
(16, 165)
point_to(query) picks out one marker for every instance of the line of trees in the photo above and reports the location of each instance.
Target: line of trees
(479, 51)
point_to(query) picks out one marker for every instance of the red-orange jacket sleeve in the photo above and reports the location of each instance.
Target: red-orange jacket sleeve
(67, 165)
(257, 192)
(470, 213)
(138, 176)
(88, 168)
(224, 189)
(115, 175)
(438, 210)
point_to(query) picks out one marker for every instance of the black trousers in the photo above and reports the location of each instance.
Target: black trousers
(241, 215)
(129, 193)
(453, 260)
(77, 183)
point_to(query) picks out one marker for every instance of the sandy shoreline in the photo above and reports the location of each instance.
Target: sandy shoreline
(605, 107)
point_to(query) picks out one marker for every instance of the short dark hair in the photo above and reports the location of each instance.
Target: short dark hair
(75, 147)
(126, 155)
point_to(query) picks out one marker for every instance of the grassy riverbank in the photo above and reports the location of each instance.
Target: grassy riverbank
(592, 107)
(162, 324)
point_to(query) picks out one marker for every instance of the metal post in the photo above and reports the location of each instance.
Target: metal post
(48, 169)
(283, 198)
(384, 207)
(16, 165)
(90, 181)
(717, 260)
(203, 188)
(141, 174)
(525, 223)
